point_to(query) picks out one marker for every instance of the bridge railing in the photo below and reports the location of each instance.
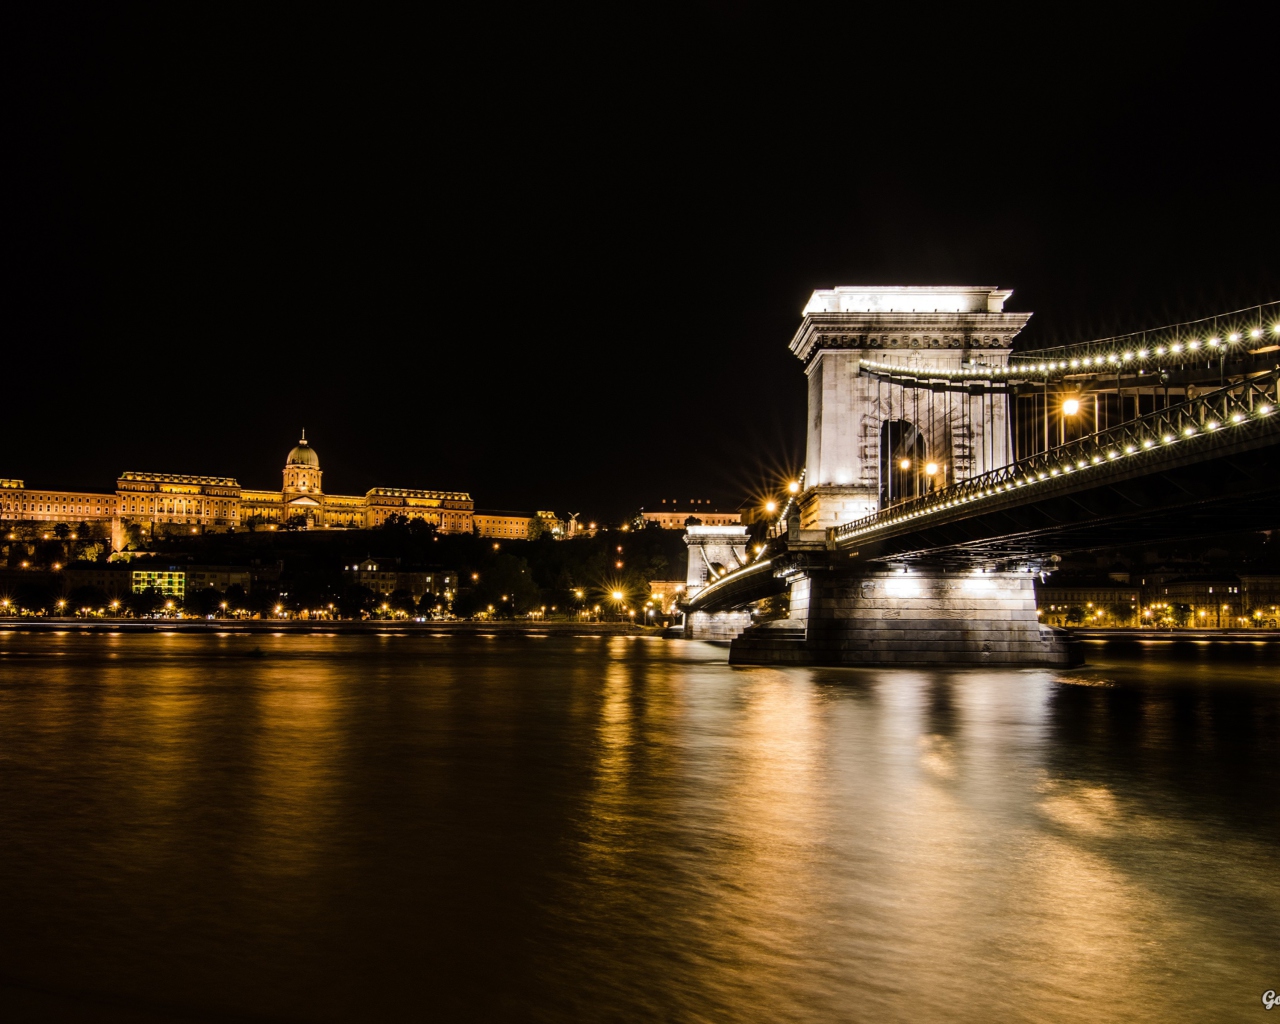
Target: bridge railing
(1234, 406)
(778, 524)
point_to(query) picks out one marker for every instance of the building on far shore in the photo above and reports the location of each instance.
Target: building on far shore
(518, 525)
(183, 503)
(384, 576)
(1095, 601)
(672, 514)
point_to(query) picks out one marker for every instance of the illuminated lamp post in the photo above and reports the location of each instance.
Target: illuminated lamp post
(1070, 408)
(930, 472)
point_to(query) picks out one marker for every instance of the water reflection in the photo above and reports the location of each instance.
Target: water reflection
(515, 828)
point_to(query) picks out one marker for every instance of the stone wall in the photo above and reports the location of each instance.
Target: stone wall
(912, 618)
(724, 626)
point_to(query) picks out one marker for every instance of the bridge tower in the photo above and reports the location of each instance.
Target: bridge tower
(860, 435)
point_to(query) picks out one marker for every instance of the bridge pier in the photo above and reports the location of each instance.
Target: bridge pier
(724, 626)
(920, 617)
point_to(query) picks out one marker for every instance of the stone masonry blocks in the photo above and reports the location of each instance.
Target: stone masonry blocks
(916, 617)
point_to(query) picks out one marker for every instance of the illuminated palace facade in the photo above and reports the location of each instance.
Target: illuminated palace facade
(180, 503)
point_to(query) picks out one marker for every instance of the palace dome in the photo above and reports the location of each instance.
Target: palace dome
(303, 454)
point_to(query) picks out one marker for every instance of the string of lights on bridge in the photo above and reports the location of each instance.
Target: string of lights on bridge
(1173, 352)
(1103, 455)
(1021, 476)
(1166, 347)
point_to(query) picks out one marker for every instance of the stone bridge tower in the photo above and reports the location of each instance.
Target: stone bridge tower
(858, 429)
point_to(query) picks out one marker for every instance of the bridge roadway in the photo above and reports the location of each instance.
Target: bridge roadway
(1204, 466)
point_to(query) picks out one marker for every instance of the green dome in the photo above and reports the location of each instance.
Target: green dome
(304, 455)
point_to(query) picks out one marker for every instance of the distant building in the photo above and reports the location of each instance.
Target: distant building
(502, 525)
(671, 514)
(219, 577)
(182, 503)
(521, 525)
(17, 502)
(1260, 596)
(171, 582)
(1214, 600)
(1080, 602)
(113, 578)
(386, 577)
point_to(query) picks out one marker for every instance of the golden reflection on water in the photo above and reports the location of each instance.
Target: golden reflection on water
(394, 827)
(297, 757)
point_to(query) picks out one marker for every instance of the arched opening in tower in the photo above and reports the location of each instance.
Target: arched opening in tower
(903, 458)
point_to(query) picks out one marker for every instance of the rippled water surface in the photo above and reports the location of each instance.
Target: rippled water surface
(399, 828)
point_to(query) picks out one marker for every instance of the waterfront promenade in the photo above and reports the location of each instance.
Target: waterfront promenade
(323, 626)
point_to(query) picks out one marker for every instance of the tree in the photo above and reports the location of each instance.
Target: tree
(263, 600)
(507, 584)
(87, 597)
(147, 602)
(536, 527)
(356, 602)
(422, 529)
(34, 597)
(432, 604)
(402, 601)
(202, 602)
(235, 597)
(1121, 613)
(50, 553)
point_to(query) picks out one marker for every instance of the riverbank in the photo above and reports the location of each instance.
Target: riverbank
(1254, 636)
(340, 626)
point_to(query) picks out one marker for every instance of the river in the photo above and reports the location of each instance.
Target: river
(360, 828)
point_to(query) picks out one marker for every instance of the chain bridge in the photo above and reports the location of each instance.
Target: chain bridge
(945, 472)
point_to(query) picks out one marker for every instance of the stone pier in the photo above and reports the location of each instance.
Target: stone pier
(908, 618)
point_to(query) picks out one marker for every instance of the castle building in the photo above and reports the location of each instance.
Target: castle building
(519, 525)
(176, 502)
(673, 515)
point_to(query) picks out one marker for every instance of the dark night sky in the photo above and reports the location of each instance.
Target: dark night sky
(557, 263)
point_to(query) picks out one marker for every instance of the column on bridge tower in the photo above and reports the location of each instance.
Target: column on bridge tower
(854, 423)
